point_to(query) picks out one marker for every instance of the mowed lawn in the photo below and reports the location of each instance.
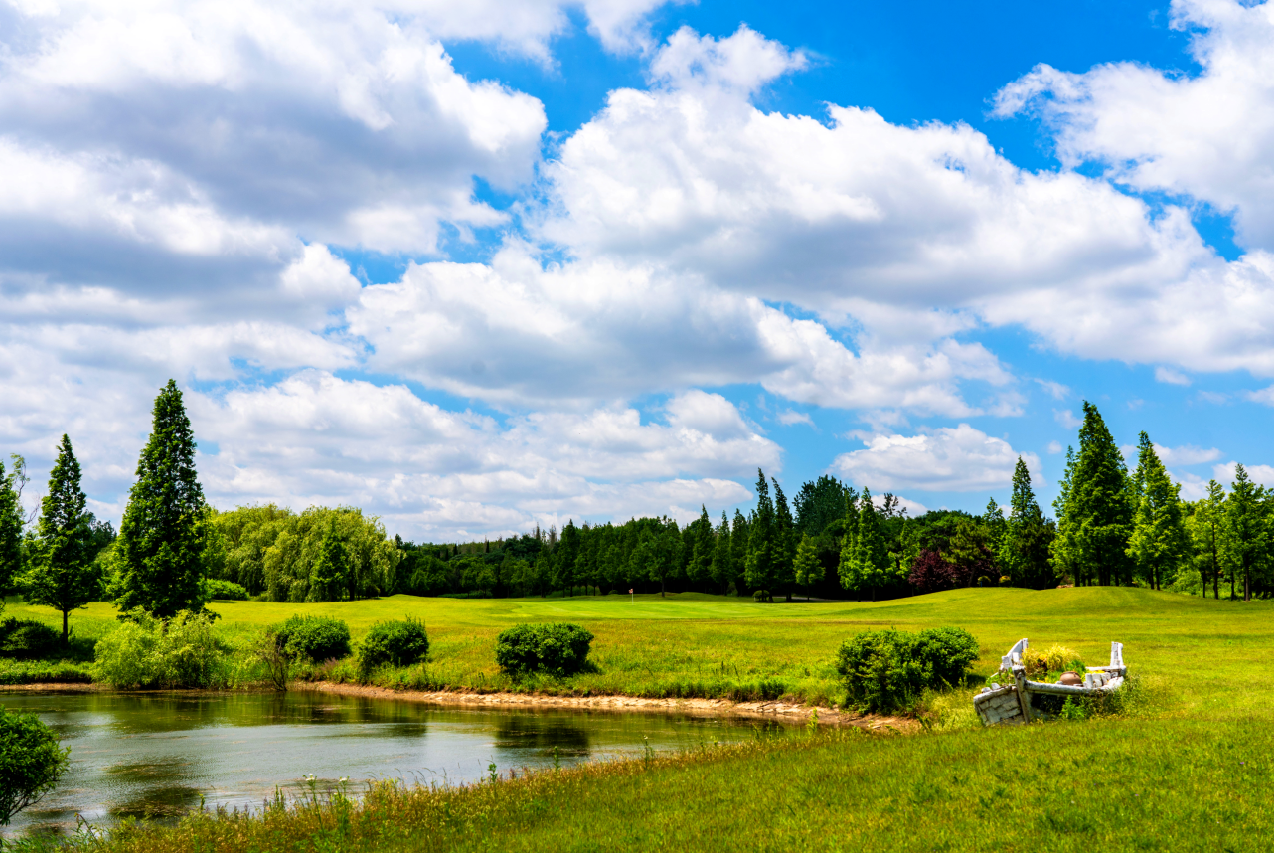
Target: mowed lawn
(1190, 768)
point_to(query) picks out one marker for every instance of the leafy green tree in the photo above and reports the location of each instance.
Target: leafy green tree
(869, 566)
(32, 761)
(1099, 501)
(329, 578)
(997, 526)
(785, 542)
(10, 532)
(759, 567)
(808, 569)
(160, 548)
(818, 504)
(1248, 534)
(61, 575)
(1025, 543)
(1159, 543)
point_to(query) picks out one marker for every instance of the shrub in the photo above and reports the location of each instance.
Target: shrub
(219, 590)
(31, 762)
(886, 671)
(28, 638)
(1056, 658)
(313, 638)
(557, 648)
(143, 652)
(401, 643)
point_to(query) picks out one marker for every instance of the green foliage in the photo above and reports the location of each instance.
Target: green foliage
(556, 648)
(160, 553)
(1159, 544)
(886, 671)
(758, 569)
(146, 652)
(28, 639)
(1027, 536)
(1099, 503)
(321, 554)
(400, 642)
(808, 569)
(868, 566)
(61, 574)
(313, 638)
(31, 762)
(219, 590)
(10, 529)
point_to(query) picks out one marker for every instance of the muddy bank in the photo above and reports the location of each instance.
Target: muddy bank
(54, 687)
(773, 711)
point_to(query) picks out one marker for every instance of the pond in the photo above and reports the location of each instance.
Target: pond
(159, 755)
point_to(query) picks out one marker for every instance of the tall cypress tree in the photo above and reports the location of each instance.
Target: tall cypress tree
(10, 533)
(739, 537)
(845, 566)
(722, 557)
(759, 567)
(704, 548)
(160, 547)
(1025, 546)
(1208, 531)
(1159, 541)
(806, 567)
(60, 574)
(996, 525)
(1099, 499)
(785, 541)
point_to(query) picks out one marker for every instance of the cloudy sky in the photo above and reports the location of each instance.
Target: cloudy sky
(477, 265)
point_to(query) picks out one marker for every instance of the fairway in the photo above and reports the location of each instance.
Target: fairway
(1187, 768)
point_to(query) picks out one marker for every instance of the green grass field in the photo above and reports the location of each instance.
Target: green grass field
(1188, 769)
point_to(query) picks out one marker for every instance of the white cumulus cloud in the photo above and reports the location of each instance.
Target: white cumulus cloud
(960, 459)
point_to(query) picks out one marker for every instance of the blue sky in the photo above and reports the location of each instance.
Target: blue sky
(478, 266)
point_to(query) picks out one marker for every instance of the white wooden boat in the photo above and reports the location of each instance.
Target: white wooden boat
(1010, 703)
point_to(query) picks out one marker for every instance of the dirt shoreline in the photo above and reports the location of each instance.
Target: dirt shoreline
(783, 712)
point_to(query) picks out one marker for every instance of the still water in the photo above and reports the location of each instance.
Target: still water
(160, 754)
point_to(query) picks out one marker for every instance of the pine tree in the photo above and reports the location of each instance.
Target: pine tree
(740, 536)
(1099, 500)
(1208, 534)
(759, 568)
(1025, 545)
(704, 544)
(869, 565)
(1246, 527)
(785, 542)
(10, 533)
(1159, 542)
(723, 557)
(159, 547)
(60, 575)
(807, 568)
(995, 523)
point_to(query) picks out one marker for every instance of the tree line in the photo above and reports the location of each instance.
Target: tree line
(1111, 526)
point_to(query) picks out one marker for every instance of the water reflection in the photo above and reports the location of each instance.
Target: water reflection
(158, 755)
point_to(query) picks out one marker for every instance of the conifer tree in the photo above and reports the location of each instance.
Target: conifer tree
(1208, 535)
(844, 567)
(722, 557)
(807, 568)
(1159, 542)
(330, 574)
(160, 546)
(740, 535)
(60, 575)
(1025, 545)
(785, 542)
(10, 533)
(1064, 551)
(1099, 500)
(996, 525)
(704, 544)
(759, 568)
(870, 563)
(1248, 536)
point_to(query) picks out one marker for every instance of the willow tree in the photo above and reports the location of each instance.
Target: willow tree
(160, 545)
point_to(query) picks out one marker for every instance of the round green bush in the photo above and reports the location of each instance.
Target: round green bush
(400, 642)
(31, 762)
(219, 590)
(313, 638)
(556, 648)
(886, 671)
